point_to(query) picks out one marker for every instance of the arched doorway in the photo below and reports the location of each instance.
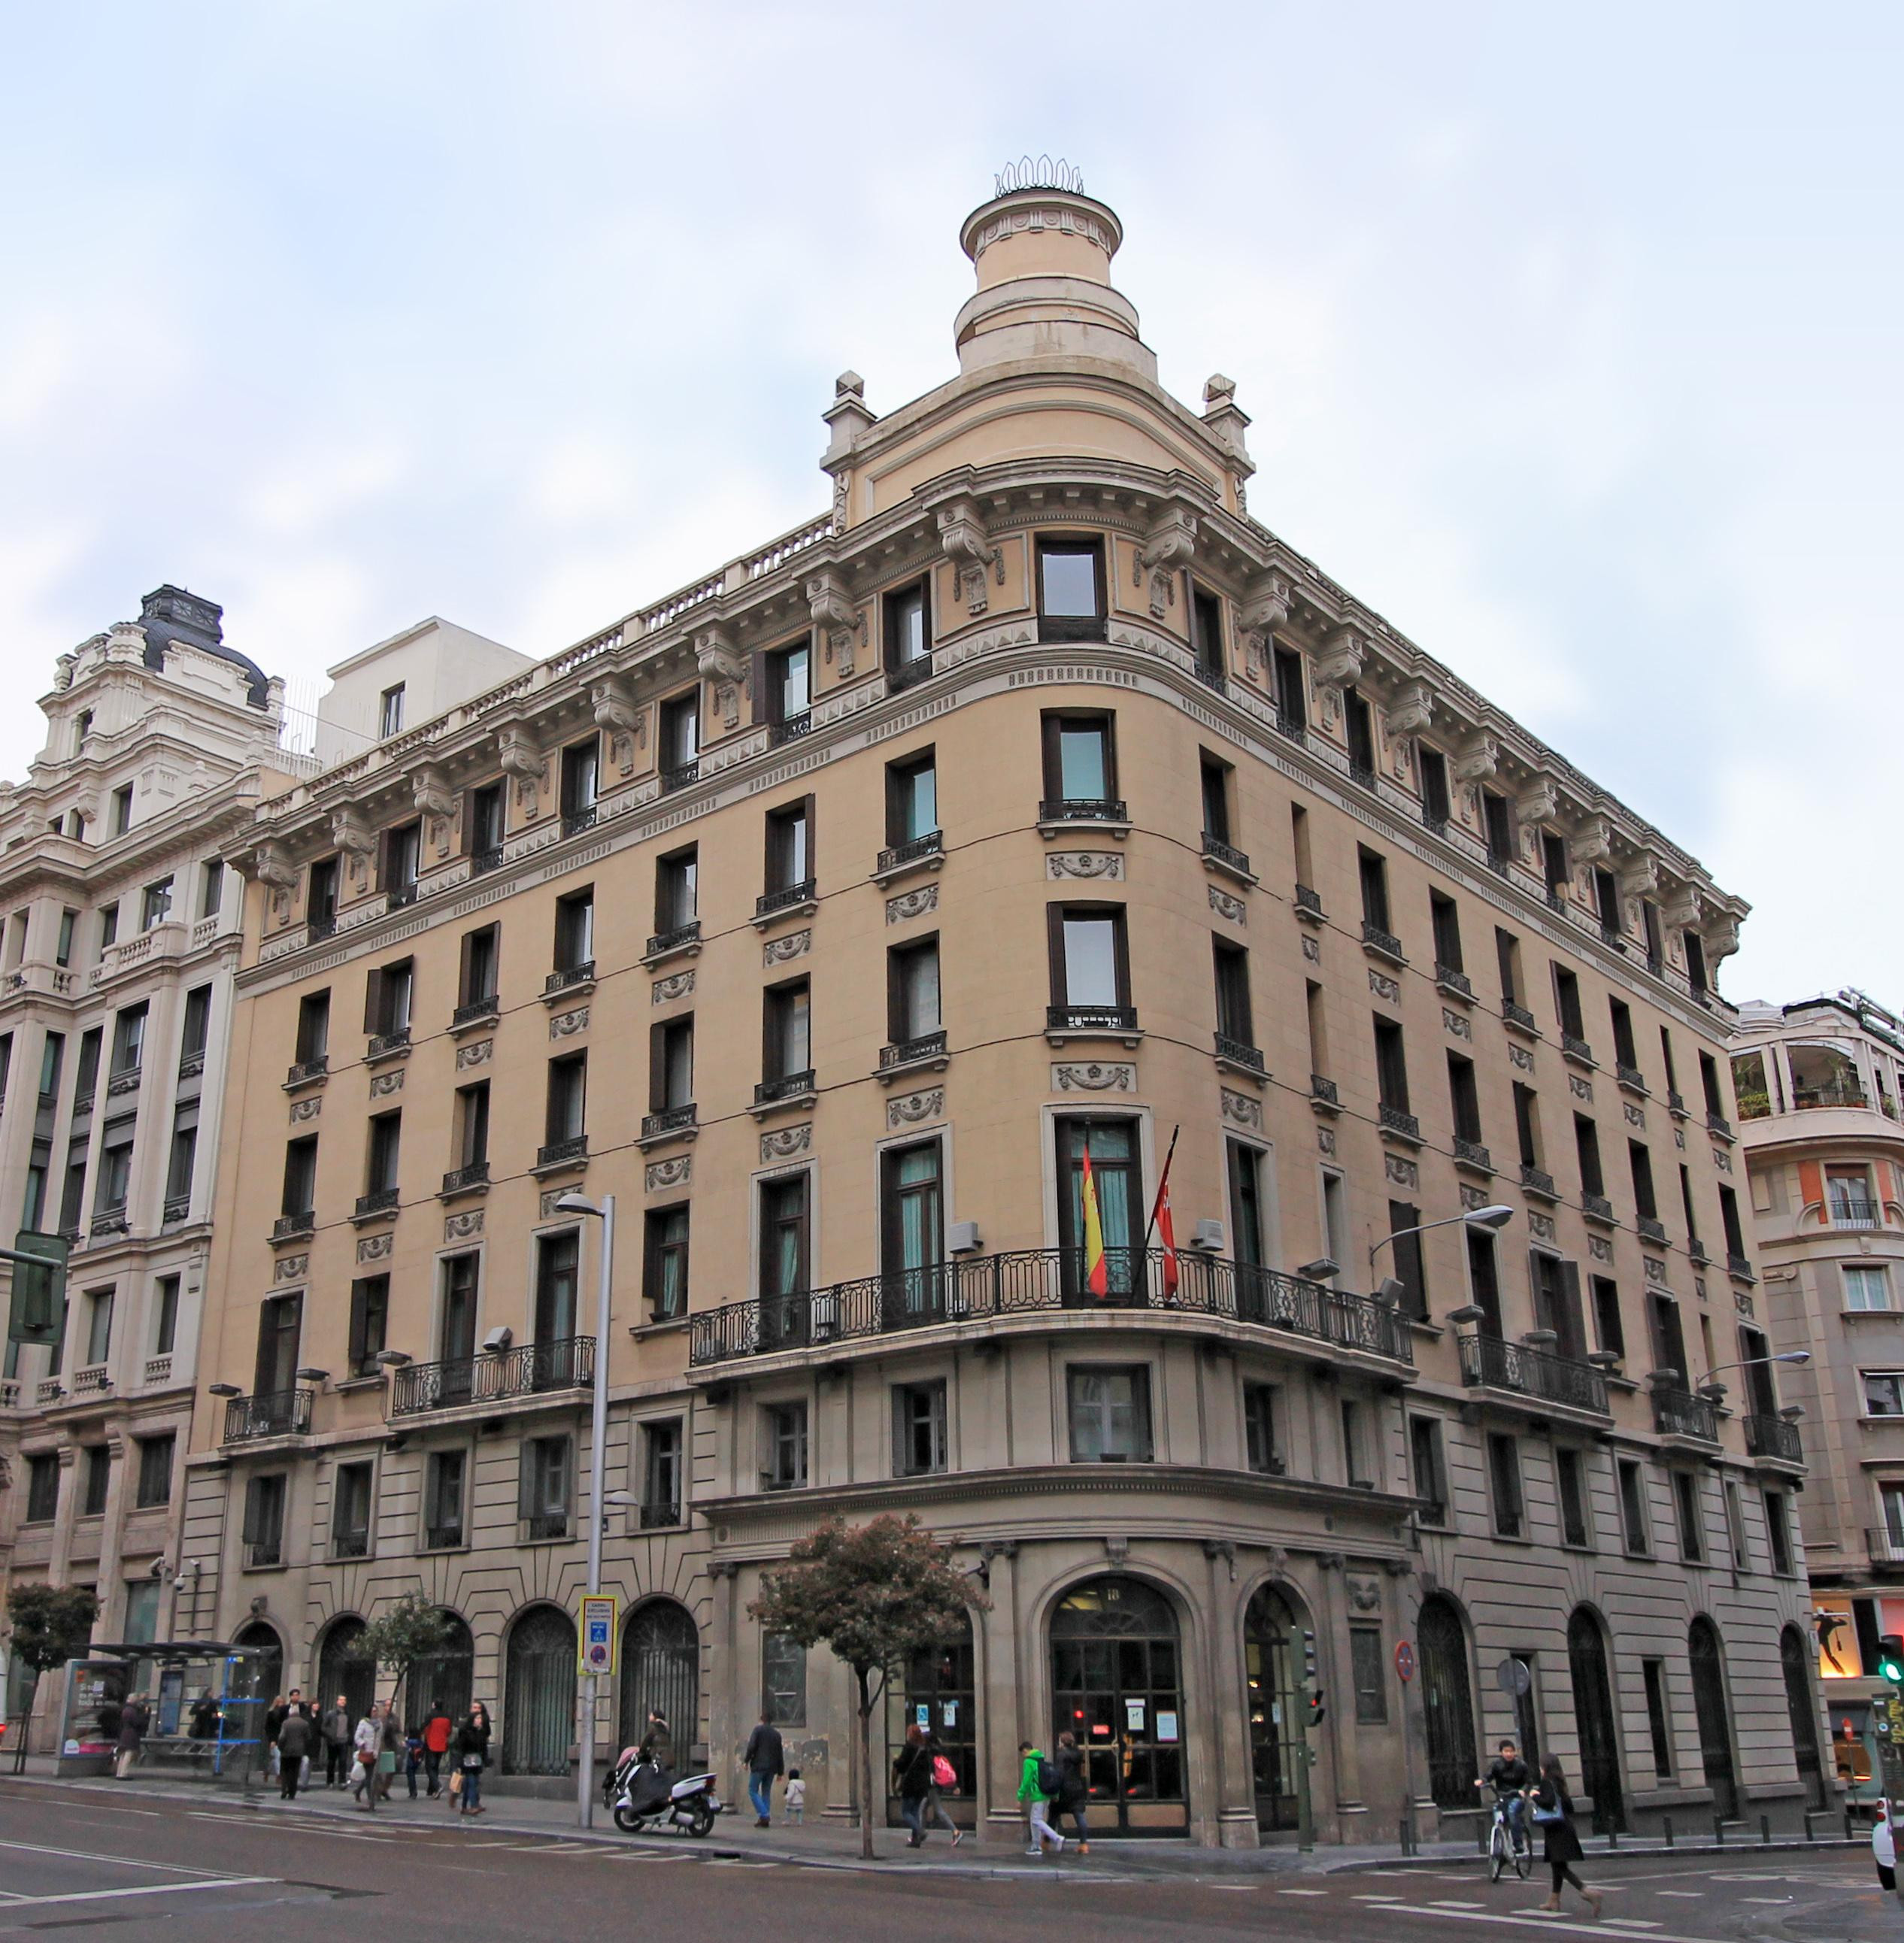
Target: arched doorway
(1714, 1725)
(1117, 1684)
(1448, 1702)
(443, 1679)
(539, 1695)
(1803, 1708)
(939, 1692)
(1586, 1665)
(251, 1685)
(661, 1668)
(343, 1667)
(1276, 1704)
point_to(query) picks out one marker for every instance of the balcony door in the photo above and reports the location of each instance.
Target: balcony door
(558, 1262)
(784, 1260)
(1116, 1177)
(912, 1234)
(280, 1323)
(457, 1329)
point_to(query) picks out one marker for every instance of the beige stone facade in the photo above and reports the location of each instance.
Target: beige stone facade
(1033, 796)
(1819, 1085)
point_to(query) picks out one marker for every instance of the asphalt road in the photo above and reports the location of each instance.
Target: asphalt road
(176, 1872)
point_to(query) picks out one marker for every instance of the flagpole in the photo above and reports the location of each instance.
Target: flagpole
(1163, 1180)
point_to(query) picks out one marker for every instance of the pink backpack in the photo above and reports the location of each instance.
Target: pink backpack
(944, 1774)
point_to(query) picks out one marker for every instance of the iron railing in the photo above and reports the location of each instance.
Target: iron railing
(1696, 1251)
(379, 1201)
(1538, 1180)
(1091, 1018)
(1227, 853)
(1518, 1015)
(668, 1120)
(768, 902)
(906, 673)
(1502, 1365)
(1239, 1052)
(1717, 1123)
(459, 1179)
(1323, 1090)
(1739, 1266)
(1451, 978)
(287, 1227)
(680, 777)
(1773, 1437)
(661, 1515)
(1574, 1047)
(482, 862)
(980, 1288)
(1308, 901)
(269, 1413)
(789, 729)
(672, 940)
(566, 977)
(1378, 940)
(1630, 1077)
(305, 1070)
(788, 1086)
(383, 1043)
(905, 1051)
(1596, 1207)
(1675, 1102)
(1472, 1153)
(574, 821)
(1083, 809)
(553, 1153)
(567, 1363)
(487, 1007)
(1651, 1229)
(933, 844)
(1679, 1413)
(1404, 1125)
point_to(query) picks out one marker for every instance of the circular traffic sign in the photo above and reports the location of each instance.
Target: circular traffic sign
(1513, 1676)
(1403, 1660)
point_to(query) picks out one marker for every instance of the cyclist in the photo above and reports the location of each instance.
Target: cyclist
(1509, 1776)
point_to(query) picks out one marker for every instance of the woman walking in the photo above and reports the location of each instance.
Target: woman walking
(1073, 1791)
(1553, 1816)
(912, 1772)
(471, 1747)
(945, 1781)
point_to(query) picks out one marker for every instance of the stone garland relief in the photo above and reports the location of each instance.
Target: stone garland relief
(1312, 949)
(1091, 1077)
(1579, 1086)
(1473, 1197)
(289, 1268)
(1679, 1138)
(1457, 1022)
(307, 1110)
(382, 1084)
(1655, 1269)
(547, 1201)
(1599, 1247)
(779, 950)
(376, 1248)
(784, 1141)
(1224, 905)
(565, 1025)
(460, 1227)
(1722, 1160)
(1542, 1225)
(1522, 1057)
(1106, 865)
(479, 1052)
(676, 985)
(1402, 1173)
(1636, 1115)
(1326, 1141)
(912, 904)
(1240, 1110)
(1383, 987)
(659, 1174)
(910, 1109)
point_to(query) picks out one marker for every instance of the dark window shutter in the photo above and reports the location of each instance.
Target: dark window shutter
(1572, 1327)
(373, 1001)
(760, 687)
(525, 1480)
(253, 1506)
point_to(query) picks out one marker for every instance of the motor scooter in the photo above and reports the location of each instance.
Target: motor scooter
(643, 1796)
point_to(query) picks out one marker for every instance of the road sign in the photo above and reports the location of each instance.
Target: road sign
(599, 1633)
(1513, 1676)
(1403, 1660)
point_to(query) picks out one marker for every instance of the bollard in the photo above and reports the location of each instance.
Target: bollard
(1809, 1836)
(1718, 1831)
(1764, 1831)
(1666, 1820)
(1847, 1823)
(1613, 1839)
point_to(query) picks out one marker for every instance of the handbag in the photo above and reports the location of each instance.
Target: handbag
(1555, 1813)
(944, 1774)
(472, 1760)
(456, 1784)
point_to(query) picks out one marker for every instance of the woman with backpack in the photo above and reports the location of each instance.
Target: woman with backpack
(1037, 1786)
(1073, 1791)
(945, 1781)
(912, 1772)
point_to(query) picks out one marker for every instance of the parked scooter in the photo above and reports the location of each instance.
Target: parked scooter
(643, 1796)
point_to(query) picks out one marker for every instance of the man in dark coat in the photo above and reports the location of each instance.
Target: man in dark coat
(134, 1721)
(338, 1728)
(765, 1757)
(294, 1737)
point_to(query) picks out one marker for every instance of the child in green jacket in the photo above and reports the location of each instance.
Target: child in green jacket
(1032, 1793)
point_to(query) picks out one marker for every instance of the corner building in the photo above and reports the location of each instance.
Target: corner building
(1033, 795)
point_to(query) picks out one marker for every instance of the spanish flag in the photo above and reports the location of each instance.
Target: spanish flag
(1097, 1274)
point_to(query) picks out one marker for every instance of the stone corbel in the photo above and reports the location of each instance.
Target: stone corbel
(1641, 877)
(1170, 544)
(522, 760)
(1411, 710)
(1265, 608)
(1341, 661)
(834, 611)
(357, 840)
(1680, 909)
(1222, 1547)
(1591, 841)
(1478, 758)
(433, 796)
(1539, 802)
(963, 540)
(269, 865)
(617, 712)
(1721, 938)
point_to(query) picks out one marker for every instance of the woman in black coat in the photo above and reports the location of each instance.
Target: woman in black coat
(471, 1748)
(1562, 1849)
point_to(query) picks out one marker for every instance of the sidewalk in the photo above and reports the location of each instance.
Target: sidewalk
(819, 1844)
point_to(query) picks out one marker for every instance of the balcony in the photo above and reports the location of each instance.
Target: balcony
(1719, 1124)
(1854, 1213)
(465, 1180)
(1597, 1208)
(1651, 1229)
(788, 1086)
(388, 1045)
(928, 1047)
(158, 1370)
(1490, 1361)
(789, 729)
(379, 1201)
(1226, 856)
(1108, 1019)
(1631, 1078)
(94, 1380)
(670, 1122)
(908, 674)
(1452, 980)
(476, 1012)
(1472, 1154)
(1519, 1017)
(1774, 1438)
(481, 862)
(1288, 723)
(1309, 904)
(1322, 1093)
(665, 944)
(1695, 1252)
(980, 1291)
(1577, 1048)
(1538, 1182)
(534, 1369)
(1083, 809)
(269, 1413)
(929, 849)
(1885, 1546)
(1404, 1126)
(1675, 1103)
(1217, 678)
(1361, 775)
(663, 1515)
(290, 1227)
(1739, 1266)
(1239, 1053)
(1383, 943)
(1680, 1413)
(554, 1154)
(576, 822)
(680, 777)
(792, 897)
(308, 1072)
(568, 978)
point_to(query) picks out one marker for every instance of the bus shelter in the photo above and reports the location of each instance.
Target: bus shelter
(206, 1701)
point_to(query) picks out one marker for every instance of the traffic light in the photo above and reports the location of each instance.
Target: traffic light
(39, 1286)
(1890, 1658)
(1316, 1709)
(1311, 1677)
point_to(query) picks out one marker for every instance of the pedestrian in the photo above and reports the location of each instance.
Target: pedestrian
(296, 1703)
(294, 1738)
(912, 1775)
(796, 1803)
(657, 1745)
(335, 1726)
(112, 1718)
(765, 1756)
(134, 1720)
(437, 1730)
(363, 1773)
(390, 1748)
(413, 1759)
(945, 1781)
(471, 1747)
(274, 1719)
(1553, 1816)
(1037, 1783)
(204, 1718)
(1073, 1791)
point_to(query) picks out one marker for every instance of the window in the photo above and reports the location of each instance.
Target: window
(575, 932)
(1214, 780)
(1527, 1125)
(919, 1433)
(73, 1192)
(1632, 1508)
(1391, 1066)
(1570, 1488)
(1292, 696)
(580, 783)
(485, 823)
(1686, 1208)
(1695, 963)
(85, 1076)
(1464, 1099)
(350, 1511)
(558, 1267)
(1553, 865)
(1430, 1469)
(1730, 1226)
(1437, 805)
(1358, 732)
(664, 1263)
(908, 631)
(195, 1029)
(155, 903)
(1608, 1329)
(320, 895)
(1070, 590)
(1685, 1502)
(671, 1065)
(456, 1320)
(370, 1322)
(1247, 1233)
(403, 861)
(542, 1486)
(443, 1498)
(1884, 1392)
(676, 890)
(911, 799)
(1315, 1012)
(476, 977)
(661, 1473)
(1090, 970)
(1778, 1531)
(1848, 1197)
(783, 1430)
(790, 849)
(472, 1131)
(912, 1233)
(784, 1254)
(82, 727)
(1499, 829)
(568, 1093)
(1504, 1476)
(1666, 1336)
(109, 927)
(1507, 959)
(313, 1027)
(389, 996)
(263, 1532)
(98, 1325)
(789, 686)
(1368, 1669)
(1409, 1269)
(1567, 1004)
(1080, 762)
(114, 1168)
(42, 1487)
(380, 1158)
(1305, 863)
(1587, 1146)
(119, 819)
(1867, 1286)
(1653, 1676)
(1446, 917)
(1373, 870)
(1116, 1175)
(1626, 1050)
(281, 1322)
(913, 991)
(783, 1680)
(1261, 1452)
(1206, 633)
(1335, 1217)
(96, 1480)
(165, 1315)
(787, 1047)
(1735, 1524)
(300, 1175)
(390, 712)
(154, 1483)
(1356, 1466)
(1231, 963)
(1644, 1201)
(1110, 1413)
(128, 1040)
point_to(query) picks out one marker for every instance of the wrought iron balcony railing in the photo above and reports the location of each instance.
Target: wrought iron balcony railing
(1492, 1360)
(979, 1289)
(1596, 1207)
(1083, 809)
(1227, 853)
(1518, 1015)
(1091, 1018)
(905, 675)
(566, 977)
(1630, 1077)
(1472, 1153)
(660, 1514)
(482, 862)
(908, 1051)
(1384, 942)
(1651, 1229)
(1538, 1180)
(306, 1070)
(680, 777)
(488, 1006)
(788, 1086)
(1679, 1413)
(933, 844)
(532, 1369)
(1239, 1052)
(555, 1153)
(1309, 902)
(379, 1201)
(668, 1120)
(383, 1044)
(1574, 1047)
(269, 1413)
(287, 1227)
(1452, 980)
(1773, 1437)
(1404, 1125)
(1739, 1266)
(785, 898)
(1324, 1090)
(789, 729)
(460, 1179)
(574, 821)
(672, 940)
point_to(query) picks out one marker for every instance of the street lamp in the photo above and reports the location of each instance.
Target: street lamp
(1752, 1363)
(573, 1203)
(1491, 1219)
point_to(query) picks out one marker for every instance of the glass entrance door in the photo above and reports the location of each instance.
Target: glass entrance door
(1276, 1732)
(1117, 1684)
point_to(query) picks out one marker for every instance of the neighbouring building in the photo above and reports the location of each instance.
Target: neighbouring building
(1819, 1086)
(1033, 800)
(122, 930)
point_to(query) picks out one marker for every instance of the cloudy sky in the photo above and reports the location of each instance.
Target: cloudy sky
(1572, 337)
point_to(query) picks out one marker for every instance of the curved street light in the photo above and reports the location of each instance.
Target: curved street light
(1491, 1219)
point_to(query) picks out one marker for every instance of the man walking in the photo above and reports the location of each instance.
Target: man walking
(365, 1742)
(765, 1757)
(134, 1720)
(336, 1726)
(437, 1730)
(294, 1737)
(300, 1708)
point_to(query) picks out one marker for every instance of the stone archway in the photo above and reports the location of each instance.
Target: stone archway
(539, 1721)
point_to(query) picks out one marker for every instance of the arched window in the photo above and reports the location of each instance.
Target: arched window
(539, 1698)
(661, 1668)
(1448, 1701)
(1593, 1720)
(1714, 1716)
(344, 1667)
(442, 1680)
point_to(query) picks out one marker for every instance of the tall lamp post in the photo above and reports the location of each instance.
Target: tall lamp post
(1491, 1219)
(1752, 1363)
(604, 1212)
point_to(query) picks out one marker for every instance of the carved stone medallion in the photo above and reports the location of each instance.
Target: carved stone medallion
(565, 1025)
(795, 944)
(1106, 865)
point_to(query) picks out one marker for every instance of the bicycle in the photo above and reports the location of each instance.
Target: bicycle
(1508, 1844)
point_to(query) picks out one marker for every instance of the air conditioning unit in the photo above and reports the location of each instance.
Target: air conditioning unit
(1208, 1236)
(962, 1238)
(499, 1338)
